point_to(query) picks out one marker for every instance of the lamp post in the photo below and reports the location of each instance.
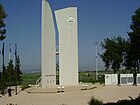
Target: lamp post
(16, 66)
(96, 48)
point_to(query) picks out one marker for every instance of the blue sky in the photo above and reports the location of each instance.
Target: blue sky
(97, 20)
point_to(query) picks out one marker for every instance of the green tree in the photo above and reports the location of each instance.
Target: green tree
(3, 76)
(1, 81)
(18, 70)
(2, 24)
(114, 51)
(134, 35)
(2, 37)
(127, 58)
(10, 73)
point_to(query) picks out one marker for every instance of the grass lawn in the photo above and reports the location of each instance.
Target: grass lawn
(87, 76)
(30, 78)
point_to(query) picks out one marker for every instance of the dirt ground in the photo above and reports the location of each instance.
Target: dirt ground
(73, 95)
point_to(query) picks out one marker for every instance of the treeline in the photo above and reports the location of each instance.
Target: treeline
(10, 75)
(120, 52)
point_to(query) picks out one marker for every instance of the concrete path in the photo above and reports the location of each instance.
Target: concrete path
(71, 96)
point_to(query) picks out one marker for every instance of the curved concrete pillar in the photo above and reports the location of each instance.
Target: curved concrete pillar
(48, 57)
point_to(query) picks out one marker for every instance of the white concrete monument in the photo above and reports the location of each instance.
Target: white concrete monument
(68, 45)
(48, 60)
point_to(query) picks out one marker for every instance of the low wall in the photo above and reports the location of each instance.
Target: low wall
(111, 79)
(125, 79)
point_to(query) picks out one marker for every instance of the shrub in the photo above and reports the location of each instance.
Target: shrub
(94, 101)
(11, 104)
(135, 101)
(25, 87)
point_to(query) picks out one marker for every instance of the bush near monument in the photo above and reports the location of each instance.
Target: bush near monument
(95, 101)
(136, 101)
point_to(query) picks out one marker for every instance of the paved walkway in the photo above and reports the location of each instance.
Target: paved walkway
(71, 95)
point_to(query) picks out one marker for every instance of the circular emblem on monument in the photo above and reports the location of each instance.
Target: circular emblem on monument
(70, 20)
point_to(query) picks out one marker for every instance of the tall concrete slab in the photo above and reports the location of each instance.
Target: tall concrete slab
(48, 57)
(68, 45)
